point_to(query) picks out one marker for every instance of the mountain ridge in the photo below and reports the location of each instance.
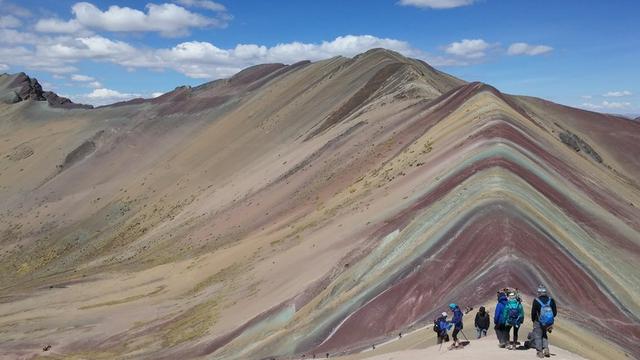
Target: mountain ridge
(310, 209)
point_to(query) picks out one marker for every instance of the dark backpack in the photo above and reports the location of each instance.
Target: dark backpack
(513, 315)
(436, 327)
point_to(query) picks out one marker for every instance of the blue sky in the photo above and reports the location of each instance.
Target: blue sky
(579, 53)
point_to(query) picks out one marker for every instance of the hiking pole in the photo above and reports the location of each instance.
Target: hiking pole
(465, 336)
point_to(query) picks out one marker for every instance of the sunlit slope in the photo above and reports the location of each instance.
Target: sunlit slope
(309, 208)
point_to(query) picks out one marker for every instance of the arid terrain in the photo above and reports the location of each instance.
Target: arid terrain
(313, 208)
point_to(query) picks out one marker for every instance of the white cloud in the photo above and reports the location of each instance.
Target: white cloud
(48, 86)
(197, 59)
(103, 93)
(9, 21)
(58, 26)
(13, 9)
(607, 105)
(78, 77)
(89, 81)
(618, 93)
(204, 60)
(205, 4)
(521, 48)
(586, 97)
(591, 106)
(470, 49)
(167, 19)
(616, 105)
(25, 57)
(15, 37)
(436, 4)
(156, 94)
(102, 96)
(4, 67)
(92, 47)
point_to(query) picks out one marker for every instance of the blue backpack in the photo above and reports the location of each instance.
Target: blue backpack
(546, 313)
(440, 327)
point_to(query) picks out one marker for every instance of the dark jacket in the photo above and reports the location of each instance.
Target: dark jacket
(457, 318)
(497, 316)
(482, 320)
(535, 307)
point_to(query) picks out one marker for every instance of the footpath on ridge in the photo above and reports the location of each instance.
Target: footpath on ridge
(485, 348)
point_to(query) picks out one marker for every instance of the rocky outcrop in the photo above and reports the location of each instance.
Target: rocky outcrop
(22, 87)
(576, 143)
(27, 88)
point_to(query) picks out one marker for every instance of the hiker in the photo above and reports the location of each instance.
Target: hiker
(457, 324)
(482, 322)
(543, 313)
(517, 292)
(441, 326)
(499, 320)
(513, 314)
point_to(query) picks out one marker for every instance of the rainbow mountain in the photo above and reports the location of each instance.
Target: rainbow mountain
(312, 208)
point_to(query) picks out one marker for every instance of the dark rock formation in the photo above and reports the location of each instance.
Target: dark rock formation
(25, 88)
(574, 141)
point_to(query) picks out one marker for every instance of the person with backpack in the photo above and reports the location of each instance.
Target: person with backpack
(457, 324)
(543, 313)
(482, 322)
(499, 320)
(441, 326)
(513, 314)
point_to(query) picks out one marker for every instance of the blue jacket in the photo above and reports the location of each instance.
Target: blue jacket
(457, 318)
(498, 319)
(444, 326)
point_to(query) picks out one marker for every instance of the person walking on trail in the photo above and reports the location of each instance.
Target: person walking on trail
(513, 314)
(457, 324)
(543, 313)
(482, 322)
(441, 327)
(499, 321)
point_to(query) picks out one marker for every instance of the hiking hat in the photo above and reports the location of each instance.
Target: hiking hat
(444, 314)
(452, 306)
(542, 290)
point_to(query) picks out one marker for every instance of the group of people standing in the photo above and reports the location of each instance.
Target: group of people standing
(441, 326)
(508, 318)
